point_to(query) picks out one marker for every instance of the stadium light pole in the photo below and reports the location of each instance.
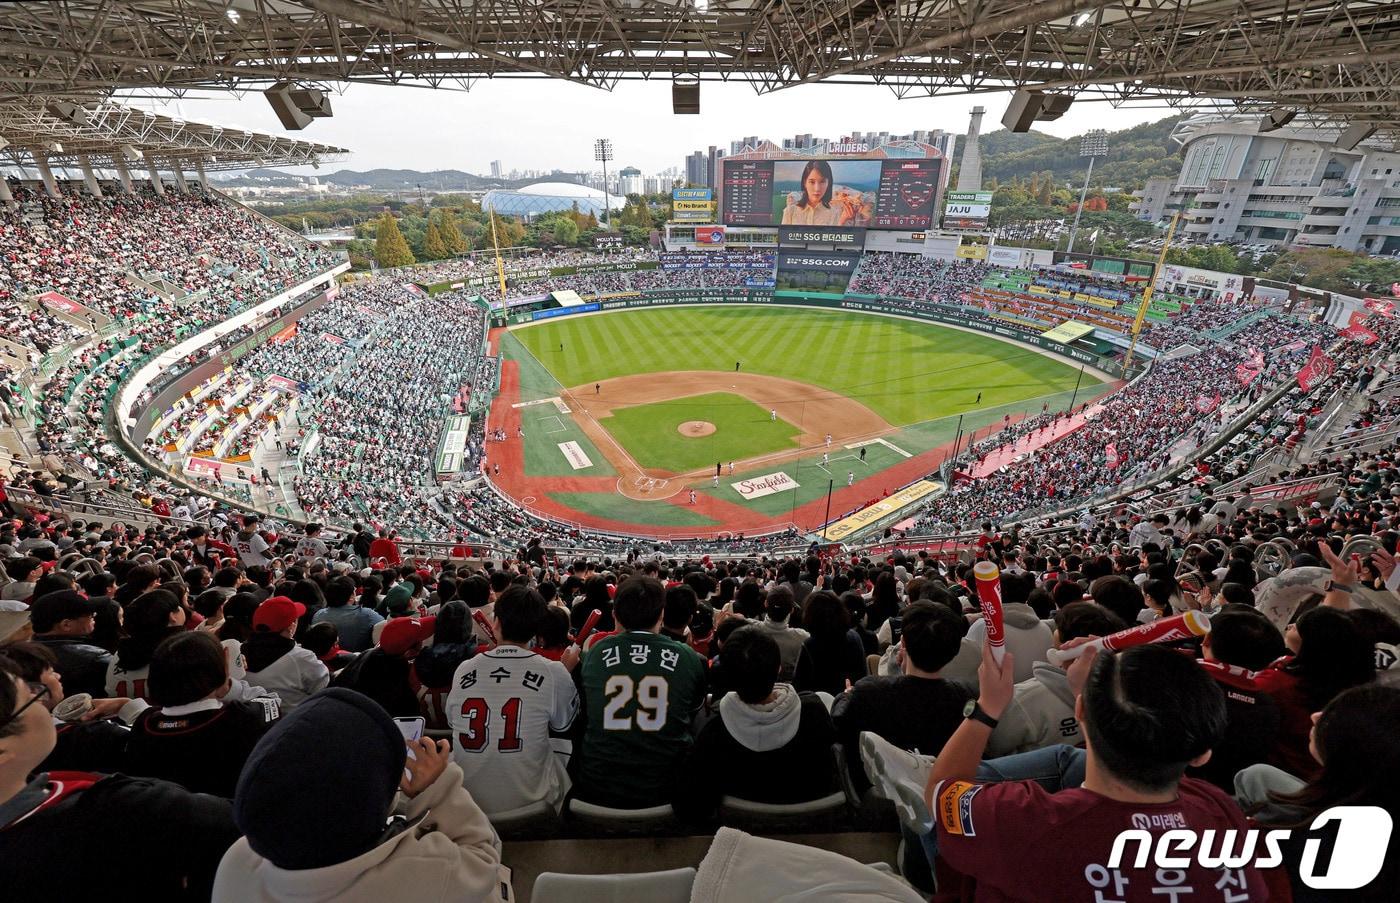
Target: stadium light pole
(603, 152)
(1094, 144)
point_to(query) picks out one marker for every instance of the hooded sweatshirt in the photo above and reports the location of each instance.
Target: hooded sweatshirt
(772, 752)
(438, 843)
(740, 866)
(279, 665)
(1027, 637)
(1041, 714)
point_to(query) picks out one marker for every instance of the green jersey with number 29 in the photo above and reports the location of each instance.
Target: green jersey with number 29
(641, 691)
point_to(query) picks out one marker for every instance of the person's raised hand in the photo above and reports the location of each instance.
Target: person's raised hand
(1078, 670)
(570, 657)
(1383, 562)
(1343, 572)
(426, 765)
(996, 683)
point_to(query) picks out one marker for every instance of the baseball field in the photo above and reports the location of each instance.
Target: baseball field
(693, 420)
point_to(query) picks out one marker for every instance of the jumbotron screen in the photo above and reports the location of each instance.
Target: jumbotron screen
(875, 194)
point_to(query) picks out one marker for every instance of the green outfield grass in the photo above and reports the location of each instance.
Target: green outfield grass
(742, 430)
(906, 371)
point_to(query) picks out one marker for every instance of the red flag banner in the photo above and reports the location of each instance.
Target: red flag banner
(1246, 373)
(1357, 331)
(1318, 368)
(1111, 451)
(1383, 306)
(60, 302)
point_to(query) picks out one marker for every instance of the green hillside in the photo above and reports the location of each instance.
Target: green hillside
(1134, 155)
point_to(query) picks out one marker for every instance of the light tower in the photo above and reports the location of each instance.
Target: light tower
(603, 152)
(1093, 144)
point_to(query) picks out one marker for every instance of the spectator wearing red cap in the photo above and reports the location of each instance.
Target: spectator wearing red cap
(275, 661)
(384, 673)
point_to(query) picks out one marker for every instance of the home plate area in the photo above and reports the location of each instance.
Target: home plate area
(650, 486)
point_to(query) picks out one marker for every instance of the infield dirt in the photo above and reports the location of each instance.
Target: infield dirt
(814, 410)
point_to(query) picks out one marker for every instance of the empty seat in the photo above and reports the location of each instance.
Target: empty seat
(644, 887)
(621, 821)
(754, 816)
(526, 822)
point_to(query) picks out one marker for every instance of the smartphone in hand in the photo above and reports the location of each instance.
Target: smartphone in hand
(412, 729)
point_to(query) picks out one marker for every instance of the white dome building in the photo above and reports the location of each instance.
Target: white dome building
(547, 197)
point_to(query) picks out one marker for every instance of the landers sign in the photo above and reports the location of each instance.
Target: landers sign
(769, 484)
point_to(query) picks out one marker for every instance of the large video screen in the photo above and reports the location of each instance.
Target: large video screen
(877, 194)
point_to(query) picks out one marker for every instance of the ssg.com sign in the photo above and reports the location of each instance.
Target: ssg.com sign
(1344, 847)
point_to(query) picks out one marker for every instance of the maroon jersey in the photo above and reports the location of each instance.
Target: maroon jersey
(1021, 843)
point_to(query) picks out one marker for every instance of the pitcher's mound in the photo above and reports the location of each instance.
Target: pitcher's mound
(692, 429)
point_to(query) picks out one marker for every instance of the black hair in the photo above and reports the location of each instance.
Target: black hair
(554, 628)
(454, 623)
(1359, 745)
(321, 638)
(520, 610)
(932, 635)
(1148, 712)
(884, 600)
(186, 667)
(10, 699)
(1335, 655)
(681, 603)
(339, 591)
(1080, 619)
(30, 660)
(1119, 595)
(820, 166)
(780, 602)
(1245, 637)
(639, 603)
(147, 623)
(1236, 593)
(238, 617)
(748, 599)
(751, 661)
(825, 618)
(98, 584)
(209, 602)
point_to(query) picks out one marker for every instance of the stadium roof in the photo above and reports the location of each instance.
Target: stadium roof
(565, 190)
(103, 130)
(1321, 56)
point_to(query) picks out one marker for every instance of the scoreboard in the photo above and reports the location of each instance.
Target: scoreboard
(748, 194)
(895, 193)
(907, 190)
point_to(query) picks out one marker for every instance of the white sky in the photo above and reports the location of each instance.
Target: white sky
(538, 124)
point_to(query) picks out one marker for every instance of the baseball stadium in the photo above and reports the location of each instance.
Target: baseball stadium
(874, 516)
(611, 441)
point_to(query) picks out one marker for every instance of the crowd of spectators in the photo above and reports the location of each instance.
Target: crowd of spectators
(180, 685)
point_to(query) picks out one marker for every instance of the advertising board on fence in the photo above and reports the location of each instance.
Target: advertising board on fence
(880, 510)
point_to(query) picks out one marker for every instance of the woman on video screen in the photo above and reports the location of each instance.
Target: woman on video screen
(816, 205)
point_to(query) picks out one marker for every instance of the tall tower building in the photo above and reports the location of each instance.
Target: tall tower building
(970, 172)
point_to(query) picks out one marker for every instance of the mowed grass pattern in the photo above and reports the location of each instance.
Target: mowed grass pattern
(742, 430)
(906, 371)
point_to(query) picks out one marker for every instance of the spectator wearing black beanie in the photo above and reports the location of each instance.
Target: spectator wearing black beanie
(367, 842)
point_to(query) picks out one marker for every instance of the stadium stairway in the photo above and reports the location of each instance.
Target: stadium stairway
(527, 859)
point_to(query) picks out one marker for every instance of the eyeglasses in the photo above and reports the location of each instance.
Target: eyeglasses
(40, 692)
